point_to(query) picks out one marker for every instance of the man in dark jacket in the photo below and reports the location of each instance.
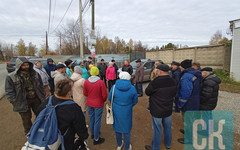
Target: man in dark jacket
(209, 89)
(102, 70)
(139, 75)
(189, 90)
(176, 75)
(89, 62)
(24, 89)
(49, 68)
(116, 68)
(127, 67)
(162, 91)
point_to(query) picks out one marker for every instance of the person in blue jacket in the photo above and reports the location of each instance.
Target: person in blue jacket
(189, 90)
(80, 64)
(176, 75)
(124, 98)
(49, 68)
(68, 70)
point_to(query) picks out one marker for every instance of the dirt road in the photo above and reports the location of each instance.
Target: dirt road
(12, 135)
(3, 74)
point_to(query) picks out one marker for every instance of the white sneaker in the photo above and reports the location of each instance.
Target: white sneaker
(130, 147)
(120, 148)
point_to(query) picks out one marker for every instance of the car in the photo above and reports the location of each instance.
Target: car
(11, 64)
(147, 64)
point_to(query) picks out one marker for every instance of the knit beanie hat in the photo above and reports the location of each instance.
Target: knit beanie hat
(67, 63)
(125, 75)
(90, 66)
(78, 70)
(187, 63)
(94, 71)
(79, 61)
(60, 66)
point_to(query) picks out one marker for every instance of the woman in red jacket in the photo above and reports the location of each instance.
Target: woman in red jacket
(96, 93)
(110, 76)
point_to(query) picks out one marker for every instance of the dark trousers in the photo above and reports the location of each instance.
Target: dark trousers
(110, 84)
(103, 77)
(139, 88)
(176, 104)
(33, 105)
(51, 85)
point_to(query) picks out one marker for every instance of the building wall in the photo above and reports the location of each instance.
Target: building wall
(217, 56)
(235, 62)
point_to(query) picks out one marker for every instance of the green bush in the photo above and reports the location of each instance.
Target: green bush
(224, 75)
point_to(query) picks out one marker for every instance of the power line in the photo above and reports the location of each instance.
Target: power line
(83, 12)
(18, 35)
(63, 16)
(85, 5)
(49, 14)
(87, 9)
(54, 11)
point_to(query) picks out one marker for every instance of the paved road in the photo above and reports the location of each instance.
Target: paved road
(3, 74)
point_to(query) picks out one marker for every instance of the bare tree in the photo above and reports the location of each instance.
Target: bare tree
(216, 38)
(69, 39)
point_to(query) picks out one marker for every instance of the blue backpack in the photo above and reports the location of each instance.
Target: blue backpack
(44, 134)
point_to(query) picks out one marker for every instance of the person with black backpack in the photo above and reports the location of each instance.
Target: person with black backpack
(70, 118)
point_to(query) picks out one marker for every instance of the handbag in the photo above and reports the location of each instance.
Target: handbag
(109, 118)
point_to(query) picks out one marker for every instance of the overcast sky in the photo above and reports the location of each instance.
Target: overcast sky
(154, 22)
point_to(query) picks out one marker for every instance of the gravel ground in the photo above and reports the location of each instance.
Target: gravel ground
(3, 74)
(11, 127)
(230, 101)
(227, 101)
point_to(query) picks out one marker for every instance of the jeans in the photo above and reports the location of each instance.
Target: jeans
(157, 132)
(95, 116)
(139, 88)
(84, 114)
(127, 137)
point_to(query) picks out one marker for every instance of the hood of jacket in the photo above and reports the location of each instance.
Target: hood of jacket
(214, 78)
(75, 77)
(20, 61)
(127, 65)
(36, 67)
(196, 73)
(55, 73)
(123, 85)
(49, 59)
(93, 79)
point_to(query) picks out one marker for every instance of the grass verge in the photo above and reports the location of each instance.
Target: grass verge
(228, 84)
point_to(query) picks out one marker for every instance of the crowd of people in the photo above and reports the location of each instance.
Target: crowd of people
(182, 87)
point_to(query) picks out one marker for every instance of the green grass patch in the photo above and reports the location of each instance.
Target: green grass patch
(228, 83)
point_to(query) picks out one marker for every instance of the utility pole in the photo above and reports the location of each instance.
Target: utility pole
(60, 46)
(81, 29)
(93, 25)
(46, 42)
(12, 50)
(93, 18)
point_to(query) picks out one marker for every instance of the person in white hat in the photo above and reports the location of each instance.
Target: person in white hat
(124, 98)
